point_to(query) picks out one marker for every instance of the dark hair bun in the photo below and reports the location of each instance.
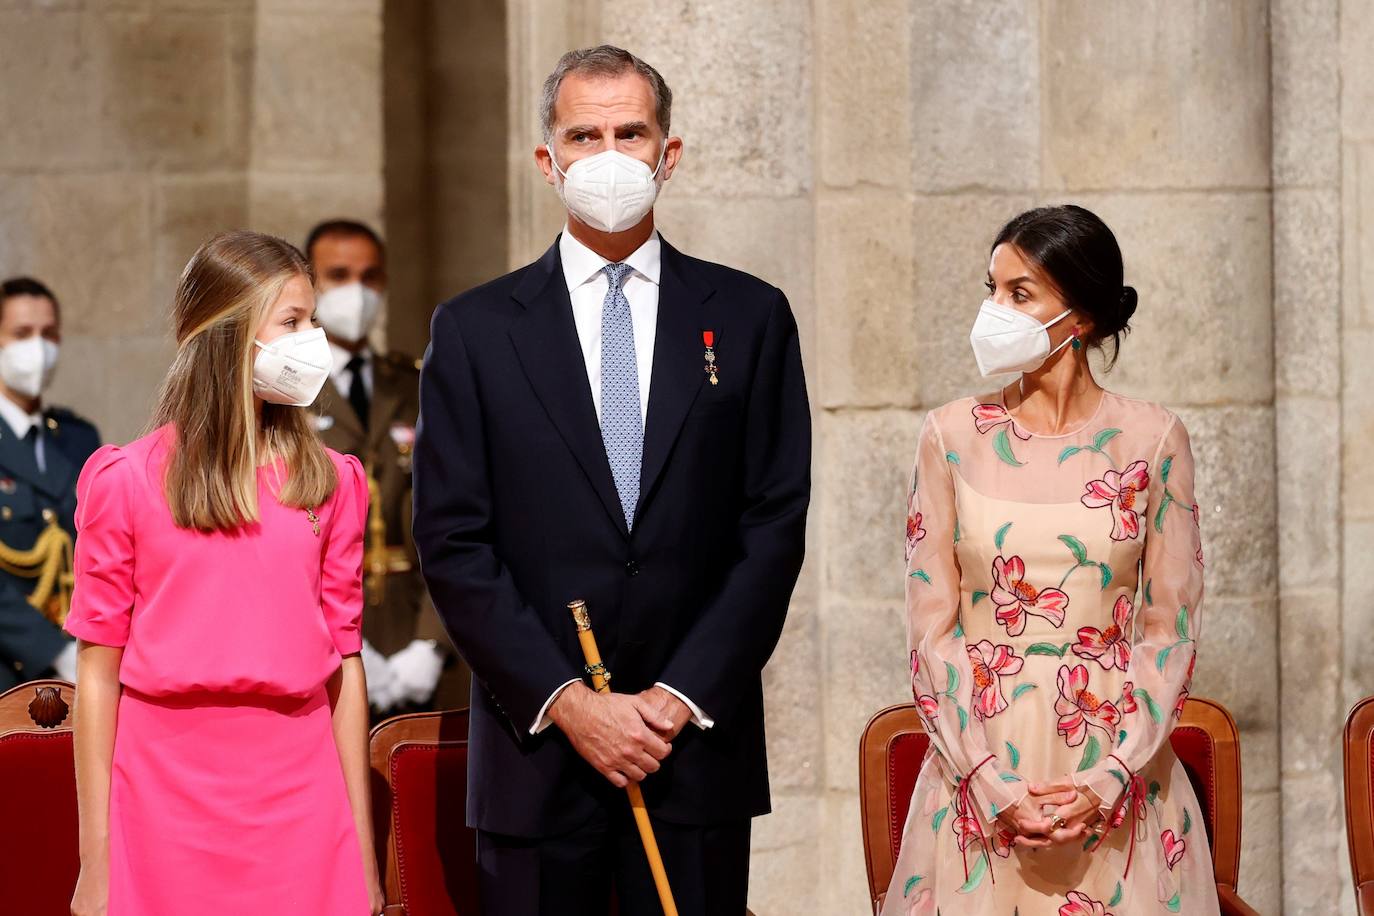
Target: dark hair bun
(1129, 299)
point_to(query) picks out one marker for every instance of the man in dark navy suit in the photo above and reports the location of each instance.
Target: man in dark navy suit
(625, 424)
(42, 450)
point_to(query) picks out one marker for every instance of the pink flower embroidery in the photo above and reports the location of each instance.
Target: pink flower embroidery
(1174, 848)
(1135, 798)
(1015, 598)
(1127, 702)
(914, 531)
(1080, 904)
(929, 706)
(1118, 491)
(1077, 708)
(1109, 646)
(990, 664)
(967, 829)
(988, 417)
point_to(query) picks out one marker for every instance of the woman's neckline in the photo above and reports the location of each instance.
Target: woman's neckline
(1091, 419)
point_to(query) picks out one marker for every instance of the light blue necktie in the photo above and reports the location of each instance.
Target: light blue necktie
(622, 426)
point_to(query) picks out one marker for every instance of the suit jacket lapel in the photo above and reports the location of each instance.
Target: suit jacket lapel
(678, 368)
(18, 459)
(346, 431)
(60, 472)
(386, 401)
(545, 338)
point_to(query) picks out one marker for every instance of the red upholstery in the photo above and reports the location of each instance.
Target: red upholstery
(38, 814)
(907, 752)
(436, 857)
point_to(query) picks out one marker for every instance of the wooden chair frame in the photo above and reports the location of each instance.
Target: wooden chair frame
(895, 721)
(1358, 745)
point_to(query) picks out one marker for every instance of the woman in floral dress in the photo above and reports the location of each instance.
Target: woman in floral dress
(1054, 579)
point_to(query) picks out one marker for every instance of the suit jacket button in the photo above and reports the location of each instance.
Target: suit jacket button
(632, 568)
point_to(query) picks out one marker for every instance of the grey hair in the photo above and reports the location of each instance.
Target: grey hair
(603, 60)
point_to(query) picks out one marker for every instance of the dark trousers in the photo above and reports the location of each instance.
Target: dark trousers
(574, 874)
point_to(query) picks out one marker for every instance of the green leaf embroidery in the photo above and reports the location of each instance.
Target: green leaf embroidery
(1116, 898)
(1091, 752)
(1140, 693)
(1107, 435)
(1001, 536)
(979, 596)
(1080, 552)
(1154, 792)
(956, 531)
(1048, 648)
(958, 631)
(1174, 903)
(1014, 755)
(1010, 777)
(1181, 622)
(1120, 776)
(911, 883)
(922, 575)
(1148, 598)
(1069, 453)
(951, 680)
(1120, 738)
(963, 718)
(1020, 690)
(1090, 841)
(1187, 822)
(980, 868)
(938, 819)
(1163, 657)
(1163, 508)
(952, 457)
(1165, 468)
(1106, 574)
(1002, 446)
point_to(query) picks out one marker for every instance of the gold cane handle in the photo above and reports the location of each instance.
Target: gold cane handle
(601, 680)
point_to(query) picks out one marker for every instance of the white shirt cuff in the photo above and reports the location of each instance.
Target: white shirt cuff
(699, 718)
(542, 721)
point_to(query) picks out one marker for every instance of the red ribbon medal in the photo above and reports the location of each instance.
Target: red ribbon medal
(709, 338)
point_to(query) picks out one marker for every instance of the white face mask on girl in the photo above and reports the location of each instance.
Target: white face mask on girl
(609, 191)
(292, 368)
(27, 365)
(1005, 340)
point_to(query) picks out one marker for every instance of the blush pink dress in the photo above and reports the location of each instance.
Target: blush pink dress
(226, 794)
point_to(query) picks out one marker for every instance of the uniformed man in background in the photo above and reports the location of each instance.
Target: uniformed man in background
(370, 411)
(42, 449)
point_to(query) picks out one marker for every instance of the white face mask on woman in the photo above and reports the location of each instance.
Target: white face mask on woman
(609, 191)
(1006, 340)
(27, 365)
(292, 368)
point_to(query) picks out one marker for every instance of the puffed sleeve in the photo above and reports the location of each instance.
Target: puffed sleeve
(341, 577)
(1167, 625)
(941, 675)
(103, 593)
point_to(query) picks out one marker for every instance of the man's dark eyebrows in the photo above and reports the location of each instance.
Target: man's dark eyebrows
(638, 126)
(579, 129)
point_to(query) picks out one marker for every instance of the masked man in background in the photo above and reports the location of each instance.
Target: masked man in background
(42, 450)
(369, 411)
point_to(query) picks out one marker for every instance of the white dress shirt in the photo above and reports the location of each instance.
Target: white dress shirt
(21, 422)
(587, 286)
(339, 372)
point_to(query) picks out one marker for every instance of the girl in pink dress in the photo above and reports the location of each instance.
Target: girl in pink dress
(221, 740)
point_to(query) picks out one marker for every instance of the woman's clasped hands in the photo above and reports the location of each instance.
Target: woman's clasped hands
(1054, 813)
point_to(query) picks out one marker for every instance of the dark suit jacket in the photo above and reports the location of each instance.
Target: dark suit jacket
(29, 641)
(516, 514)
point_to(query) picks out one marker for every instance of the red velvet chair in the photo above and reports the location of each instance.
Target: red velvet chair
(1359, 801)
(38, 799)
(419, 770)
(894, 746)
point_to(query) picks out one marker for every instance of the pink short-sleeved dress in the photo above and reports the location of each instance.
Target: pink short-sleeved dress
(226, 795)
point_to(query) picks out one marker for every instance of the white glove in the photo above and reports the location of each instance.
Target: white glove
(415, 670)
(381, 683)
(65, 663)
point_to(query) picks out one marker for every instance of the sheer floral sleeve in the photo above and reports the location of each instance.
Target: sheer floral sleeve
(1163, 649)
(941, 672)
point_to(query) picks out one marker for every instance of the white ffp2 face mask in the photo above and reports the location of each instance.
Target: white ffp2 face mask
(293, 368)
(1005, 340)
(609, 191)
(348, 312)
(27, 365)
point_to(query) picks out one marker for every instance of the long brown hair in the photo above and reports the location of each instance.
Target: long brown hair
(207, 397)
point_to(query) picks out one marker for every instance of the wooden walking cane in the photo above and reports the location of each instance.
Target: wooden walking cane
(601, 680)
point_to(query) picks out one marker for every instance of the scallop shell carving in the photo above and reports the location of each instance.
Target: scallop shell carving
(48, 709)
